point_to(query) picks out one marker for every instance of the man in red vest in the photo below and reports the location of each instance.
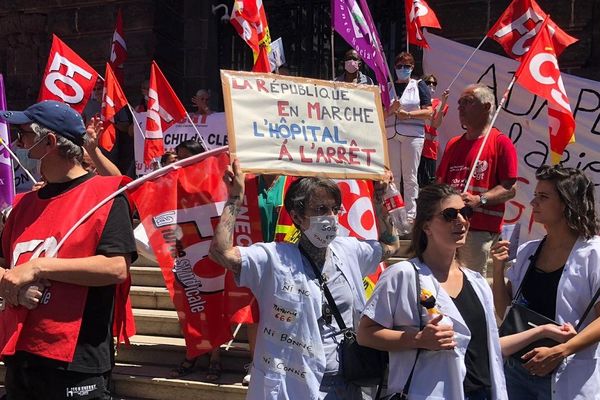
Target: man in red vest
(63, 348)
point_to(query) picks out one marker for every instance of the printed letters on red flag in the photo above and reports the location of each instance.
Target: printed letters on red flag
(113, 100)
(518, 25)
(180, 211)
(164, 109)
(418, 16)
(118, 49)
(67, 77)
(539, 73)
(250, 21)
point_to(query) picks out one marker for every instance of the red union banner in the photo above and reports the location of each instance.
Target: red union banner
(179, 211)
(68, 77)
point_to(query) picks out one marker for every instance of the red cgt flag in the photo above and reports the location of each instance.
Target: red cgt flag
(164, 109)
(113, 100)
(250, 21)
(118, 49)
(418, 16)
(518, 25)
(67, 77)
(539, 73)
(179, 211)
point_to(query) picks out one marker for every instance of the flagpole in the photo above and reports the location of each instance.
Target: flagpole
(487, 133)
(16, 159)
(332, 52)
(237, 328)
(136, 120)
(466, 62)
(131, 185)
(196, 129)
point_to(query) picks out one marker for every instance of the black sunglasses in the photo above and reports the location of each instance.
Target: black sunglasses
(431, 83)
(451, 214)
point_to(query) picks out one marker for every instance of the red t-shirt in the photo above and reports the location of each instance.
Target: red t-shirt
(498, 162)
(430, 146)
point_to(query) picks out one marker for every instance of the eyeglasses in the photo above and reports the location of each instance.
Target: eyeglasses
(20, 133)
(324, 210)
(431, 83)
(404, 66)
(451, 214)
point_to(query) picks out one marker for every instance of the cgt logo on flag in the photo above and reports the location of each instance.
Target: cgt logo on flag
(68, 77)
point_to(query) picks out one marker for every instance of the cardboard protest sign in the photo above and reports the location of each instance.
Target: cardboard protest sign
(304, 127)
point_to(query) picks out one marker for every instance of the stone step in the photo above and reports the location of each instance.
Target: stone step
(165, 323)
(170, 352)
(155, 298)
(146, 276)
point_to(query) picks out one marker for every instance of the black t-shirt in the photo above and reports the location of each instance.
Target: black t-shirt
(477, 359)
(539, 291)
(94, 352)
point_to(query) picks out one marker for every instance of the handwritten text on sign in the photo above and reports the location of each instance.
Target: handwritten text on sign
(297, 126)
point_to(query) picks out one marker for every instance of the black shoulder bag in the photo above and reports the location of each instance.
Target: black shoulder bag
(362, 366)
(520, 318)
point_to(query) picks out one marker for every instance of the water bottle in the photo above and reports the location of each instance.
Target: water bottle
(392, 199)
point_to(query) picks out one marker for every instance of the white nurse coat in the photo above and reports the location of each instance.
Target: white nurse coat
(288, 359)
(438, 374)
(578, 376)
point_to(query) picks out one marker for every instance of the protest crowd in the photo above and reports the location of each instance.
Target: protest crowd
(293, 226)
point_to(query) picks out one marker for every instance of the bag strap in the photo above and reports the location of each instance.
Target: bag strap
(532, 263)
(588, 309)
(326, 292)
(418, 285)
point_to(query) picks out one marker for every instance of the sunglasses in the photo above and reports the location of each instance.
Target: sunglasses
(324, 210)
(404, 66)
(451, 214)
(430, 83)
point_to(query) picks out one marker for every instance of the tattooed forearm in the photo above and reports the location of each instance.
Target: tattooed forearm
(222, 250)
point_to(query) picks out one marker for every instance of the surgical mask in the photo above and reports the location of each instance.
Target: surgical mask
(351, 66)
(322, 230)
(35, 144)
(432, 90)
(403, 74)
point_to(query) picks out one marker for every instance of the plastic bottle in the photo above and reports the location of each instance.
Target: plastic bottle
(392, 199)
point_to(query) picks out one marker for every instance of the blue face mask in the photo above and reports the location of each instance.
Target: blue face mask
(403, 74)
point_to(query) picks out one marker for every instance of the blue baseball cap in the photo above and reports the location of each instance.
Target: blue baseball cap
(57, 116)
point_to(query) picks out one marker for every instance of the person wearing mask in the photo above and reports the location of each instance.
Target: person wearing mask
(405, 125)
(429, 155)
(556, 277)
(352, 74)
(297, 357)
(445, 345)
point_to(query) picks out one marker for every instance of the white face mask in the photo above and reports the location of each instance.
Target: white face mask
(403, 74)
(432, 89)
(322, 230)
(351, 66)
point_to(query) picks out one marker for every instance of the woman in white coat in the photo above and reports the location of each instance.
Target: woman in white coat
(562, 283)
(446, 346)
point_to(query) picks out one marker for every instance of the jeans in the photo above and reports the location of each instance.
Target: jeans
(334, 387)
(521, 385)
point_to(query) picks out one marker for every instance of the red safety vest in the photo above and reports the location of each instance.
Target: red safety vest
(35, 226)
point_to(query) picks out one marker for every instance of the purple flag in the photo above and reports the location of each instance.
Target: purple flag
(7, 182)
(354, 23)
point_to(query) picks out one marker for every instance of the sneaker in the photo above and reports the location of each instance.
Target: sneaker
(246, 380)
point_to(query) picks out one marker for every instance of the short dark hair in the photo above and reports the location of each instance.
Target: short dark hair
(301, 190)
(165, 157)
(429, 199)
(576, 191)
(404, 56)
(190, 145)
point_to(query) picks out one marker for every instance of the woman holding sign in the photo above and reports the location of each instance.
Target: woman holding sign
(558, 278)
(297, 351)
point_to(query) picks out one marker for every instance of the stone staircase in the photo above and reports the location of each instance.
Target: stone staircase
(143, 367)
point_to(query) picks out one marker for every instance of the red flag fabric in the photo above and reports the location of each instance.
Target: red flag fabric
(68, 78)
(250, 21)
(113, 100)
(539, 73)
(179, 211)
(518, 25)
(118, 49)
(164, 109)
(419, 15)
